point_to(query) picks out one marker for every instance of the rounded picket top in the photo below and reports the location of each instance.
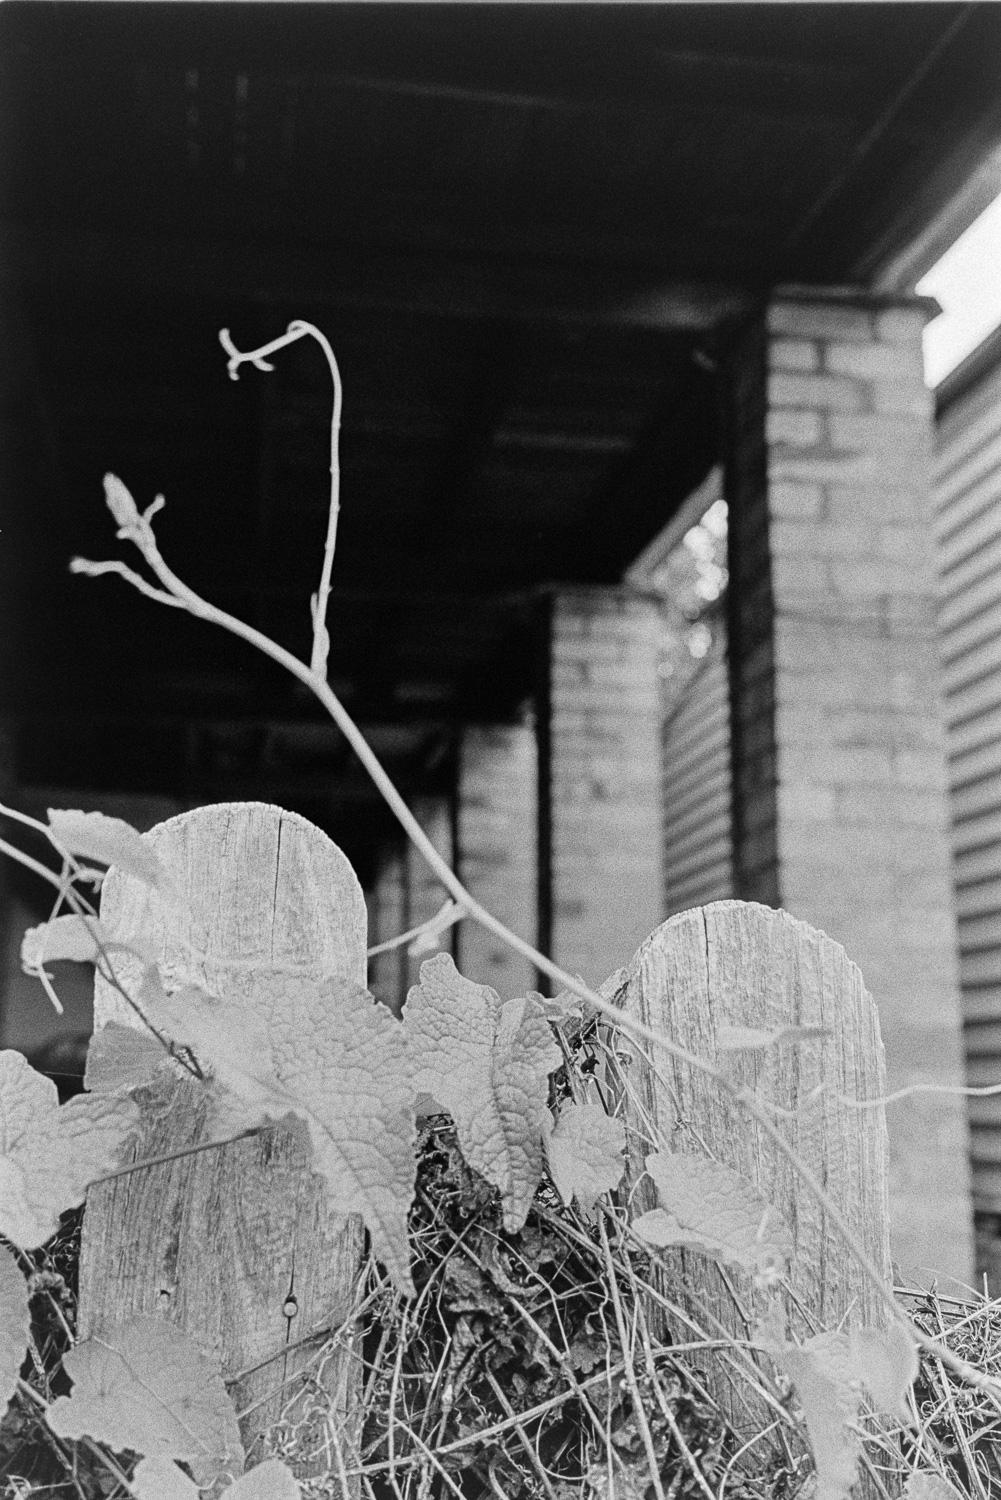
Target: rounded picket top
(253, 882)
(721, 980)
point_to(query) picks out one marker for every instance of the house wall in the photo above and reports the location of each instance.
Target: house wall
(968, 534)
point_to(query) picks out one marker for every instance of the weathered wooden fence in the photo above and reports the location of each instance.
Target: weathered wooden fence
(738, 964)
(220, 1241)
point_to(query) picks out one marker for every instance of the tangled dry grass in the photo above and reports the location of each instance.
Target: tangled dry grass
(538, 1366)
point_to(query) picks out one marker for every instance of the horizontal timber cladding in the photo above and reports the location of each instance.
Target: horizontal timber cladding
(968, 532)
(698, 836)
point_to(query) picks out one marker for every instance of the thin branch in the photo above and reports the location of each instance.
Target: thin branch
(298, 329)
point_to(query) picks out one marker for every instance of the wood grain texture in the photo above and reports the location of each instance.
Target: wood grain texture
(740, 964)
(219, 1240)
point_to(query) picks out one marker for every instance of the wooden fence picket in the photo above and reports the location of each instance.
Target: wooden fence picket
(220, 1240)
(735, 964)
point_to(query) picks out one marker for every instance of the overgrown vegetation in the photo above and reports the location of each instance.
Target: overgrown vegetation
(519, 1329)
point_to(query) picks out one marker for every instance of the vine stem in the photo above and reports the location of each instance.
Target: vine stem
(139, 530)
(299, 329)
(202, 609)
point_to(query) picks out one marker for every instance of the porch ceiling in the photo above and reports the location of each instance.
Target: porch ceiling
(522, 228)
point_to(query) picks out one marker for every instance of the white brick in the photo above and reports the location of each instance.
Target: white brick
(802, 429)
(815, 392)
(875, 362)
(793, 354)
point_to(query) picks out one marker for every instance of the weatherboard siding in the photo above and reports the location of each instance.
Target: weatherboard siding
(698, 838)
(968, 532)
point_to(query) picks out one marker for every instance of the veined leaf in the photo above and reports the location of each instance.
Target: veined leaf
(585, 1153)
(66, 937)
(271, 1480)
(144, 1385)
(112, 842)
(121, 1057)
(886, 1363)
(15, 1324)
(820, 1371)
(161, 1479)
(489, 1064)
(48, 1152)
(331, 1055)
(712, 1208)
(925, 1485)
(826, 1387)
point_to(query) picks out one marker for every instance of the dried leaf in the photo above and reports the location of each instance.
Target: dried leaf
(121, 1057)
(885, 1361)
(752, 1039)
(585, 1153)
(712, 1208)
(161, 1479)
(51, 1152)
(110, 841)
(144, 1385)
(489, 1064)
(333, 1056)
(824, 1380)
(15, 1324)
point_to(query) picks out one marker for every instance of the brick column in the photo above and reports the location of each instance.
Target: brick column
(600, 833)
(841, 812)
(496, 840)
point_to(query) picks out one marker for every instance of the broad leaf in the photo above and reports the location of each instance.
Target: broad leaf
(820, 1371)
(66, 937)
(15, 1324)
(886, 1363)
(489, 1064)
(585, 1153)
(161, 1479)
(925, 1485)
(824, 1381)
(709, 1207)
(120, 1058)
(752, 1039)
(49, 1153)
(231, 1041)
(271, 1480)
(145, 1386)
(333, 1056)
(110, 841)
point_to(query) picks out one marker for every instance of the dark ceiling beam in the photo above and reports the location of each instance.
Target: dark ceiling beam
(438, 286)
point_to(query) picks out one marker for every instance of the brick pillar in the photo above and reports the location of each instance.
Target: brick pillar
(497, 850)
(841, 812)
(599, 779)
